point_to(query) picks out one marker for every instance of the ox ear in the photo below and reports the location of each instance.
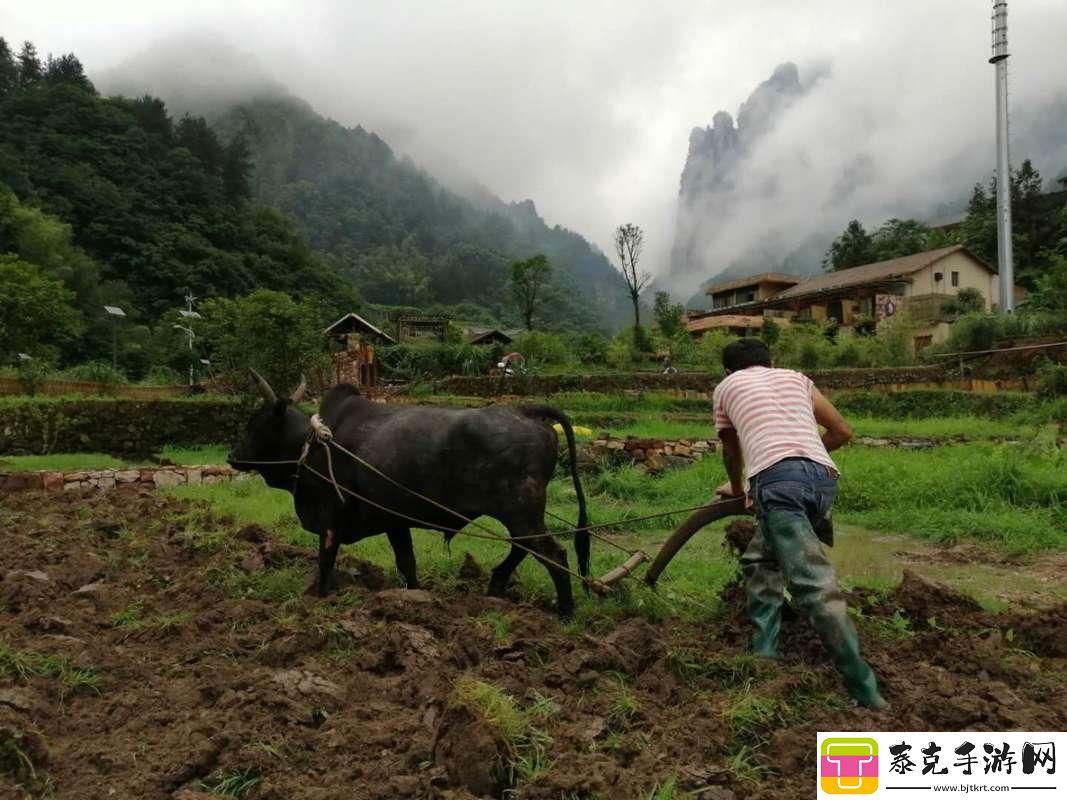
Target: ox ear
(300, 391)
(263, 387)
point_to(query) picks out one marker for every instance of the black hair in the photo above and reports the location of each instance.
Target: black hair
(745, 353)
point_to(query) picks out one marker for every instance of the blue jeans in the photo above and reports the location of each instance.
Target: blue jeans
(792, 498)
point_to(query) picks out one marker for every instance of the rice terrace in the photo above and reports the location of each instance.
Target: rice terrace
(333, 466)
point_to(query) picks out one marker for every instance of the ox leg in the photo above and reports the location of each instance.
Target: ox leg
(548, 551)
(404, 553)
(329, 544)
(501, 574)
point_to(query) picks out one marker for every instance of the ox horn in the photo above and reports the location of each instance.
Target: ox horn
(300, 391)
(263, 387)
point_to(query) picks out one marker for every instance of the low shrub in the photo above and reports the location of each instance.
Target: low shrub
(547, 348)
(925, 403)
(1053, 379)
(162, 375)
(96, 371)
(417, 361)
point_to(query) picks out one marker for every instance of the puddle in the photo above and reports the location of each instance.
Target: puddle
(870, 558)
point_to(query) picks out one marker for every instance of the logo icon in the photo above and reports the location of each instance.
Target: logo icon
(848, 766)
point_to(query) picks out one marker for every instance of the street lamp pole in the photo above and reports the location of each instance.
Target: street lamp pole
(115, 313)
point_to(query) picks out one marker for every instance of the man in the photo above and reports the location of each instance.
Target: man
(768, 422)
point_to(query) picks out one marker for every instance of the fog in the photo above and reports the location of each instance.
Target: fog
(587, 107)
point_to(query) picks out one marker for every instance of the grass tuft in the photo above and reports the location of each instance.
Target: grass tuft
(238, 782)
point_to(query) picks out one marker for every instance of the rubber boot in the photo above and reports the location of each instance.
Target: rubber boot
(764, 588)
(812, 584)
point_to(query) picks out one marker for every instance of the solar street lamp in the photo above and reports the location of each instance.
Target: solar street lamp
(189, 332)
(115, 313)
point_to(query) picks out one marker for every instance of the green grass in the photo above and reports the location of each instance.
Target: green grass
(204, 454)
(942, 427)
(131, 620)
(65, 462)
(22, 665)
(1012, 497)
(965, 427)
(236, 783)
(526, 744)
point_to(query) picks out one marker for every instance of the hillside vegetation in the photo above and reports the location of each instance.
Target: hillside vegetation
(401, 237)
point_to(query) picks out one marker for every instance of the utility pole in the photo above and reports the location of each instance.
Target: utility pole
(116, 314)
(1005, 266)
(190, 315)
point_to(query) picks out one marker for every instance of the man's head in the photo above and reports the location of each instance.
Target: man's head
(745, 353)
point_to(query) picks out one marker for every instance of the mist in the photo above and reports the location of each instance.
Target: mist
(587, 108)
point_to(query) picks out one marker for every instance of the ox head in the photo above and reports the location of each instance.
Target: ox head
(275, 432)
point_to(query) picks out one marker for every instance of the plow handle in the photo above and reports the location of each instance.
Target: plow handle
(734, 506)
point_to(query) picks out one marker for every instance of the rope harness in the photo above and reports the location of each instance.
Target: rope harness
(321, 434)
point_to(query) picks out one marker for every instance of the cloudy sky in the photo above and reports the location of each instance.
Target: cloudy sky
(586, 107)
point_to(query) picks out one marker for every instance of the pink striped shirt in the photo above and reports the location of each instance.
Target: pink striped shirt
(771, 409)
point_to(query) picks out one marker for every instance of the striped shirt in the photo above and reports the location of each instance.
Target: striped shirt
(771, 409)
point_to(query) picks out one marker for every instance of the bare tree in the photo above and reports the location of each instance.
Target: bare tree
(629, 241)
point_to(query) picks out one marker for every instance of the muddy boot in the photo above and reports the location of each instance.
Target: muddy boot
(765, 591)
(814, 589)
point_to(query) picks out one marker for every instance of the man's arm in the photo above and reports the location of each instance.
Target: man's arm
(838, 432)
(734, 463)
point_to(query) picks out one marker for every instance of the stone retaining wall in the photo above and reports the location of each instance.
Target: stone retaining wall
(110, 478)
(655, 455)
(136, 428)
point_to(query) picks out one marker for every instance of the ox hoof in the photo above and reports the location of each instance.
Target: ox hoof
(315, 589)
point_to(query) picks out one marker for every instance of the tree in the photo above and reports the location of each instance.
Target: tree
(770, 331)
(35, 310)
(668, 315)
(899, 237)
(9, 71)
(67, 69)
(267, 330)
(529, 280)
(629, 242)
(966, 301)
(29, 65)
(851, 249)
(1050, 292)
(235, 170)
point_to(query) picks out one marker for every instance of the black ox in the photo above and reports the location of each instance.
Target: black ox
(493, 462)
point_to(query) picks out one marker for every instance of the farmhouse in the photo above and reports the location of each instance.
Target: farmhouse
(354, 362)
(491, 336)
(422, 326)
(861, 298)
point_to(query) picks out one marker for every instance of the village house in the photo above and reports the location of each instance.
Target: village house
(490, 336)
(867, 297)
(354, 361)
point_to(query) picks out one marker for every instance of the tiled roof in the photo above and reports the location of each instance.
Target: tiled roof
(872, 273)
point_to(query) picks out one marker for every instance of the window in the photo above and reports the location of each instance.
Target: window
(955, 279)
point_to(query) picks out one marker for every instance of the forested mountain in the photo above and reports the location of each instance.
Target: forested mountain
(399, 235)
(160, 204)
(112, 200)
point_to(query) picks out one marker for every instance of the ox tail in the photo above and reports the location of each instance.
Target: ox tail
(581, 536)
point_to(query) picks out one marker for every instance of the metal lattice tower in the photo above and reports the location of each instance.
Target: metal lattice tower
(1005, 264)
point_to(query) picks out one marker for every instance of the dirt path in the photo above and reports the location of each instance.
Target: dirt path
(144, 654)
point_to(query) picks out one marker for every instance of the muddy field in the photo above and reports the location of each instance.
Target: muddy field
(144, 653)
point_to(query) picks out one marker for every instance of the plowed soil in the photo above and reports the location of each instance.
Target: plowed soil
(187, 687)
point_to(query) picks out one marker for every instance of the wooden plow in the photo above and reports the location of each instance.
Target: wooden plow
(732, 507)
